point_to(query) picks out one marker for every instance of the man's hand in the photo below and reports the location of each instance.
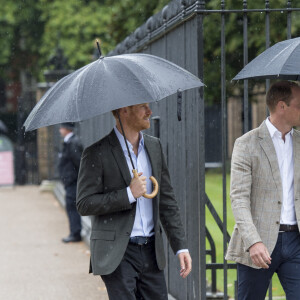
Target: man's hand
(185, 264)
(138, 186)
(260, 255)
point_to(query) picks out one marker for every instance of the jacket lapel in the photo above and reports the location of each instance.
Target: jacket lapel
(296, 155)
(154, 157)
(119, 157)
(269, 149)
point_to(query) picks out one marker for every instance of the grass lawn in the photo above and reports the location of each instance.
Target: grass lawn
(214, 190)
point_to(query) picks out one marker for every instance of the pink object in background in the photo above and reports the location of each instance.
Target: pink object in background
(6, 168)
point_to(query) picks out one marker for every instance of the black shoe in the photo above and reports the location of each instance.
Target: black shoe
(72, 239)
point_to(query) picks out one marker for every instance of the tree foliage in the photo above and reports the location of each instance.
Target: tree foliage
(20, 35)
(256, 40)
(31, 30)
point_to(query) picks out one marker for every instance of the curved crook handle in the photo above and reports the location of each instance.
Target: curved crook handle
(154, 182)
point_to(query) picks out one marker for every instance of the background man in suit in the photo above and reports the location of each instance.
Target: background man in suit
(265, 198)
(126, 240)
(68, 169)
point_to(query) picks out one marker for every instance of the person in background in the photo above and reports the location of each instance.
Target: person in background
(68, 169)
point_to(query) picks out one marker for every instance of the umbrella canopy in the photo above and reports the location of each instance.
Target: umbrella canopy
(281, 61)
(107, 84)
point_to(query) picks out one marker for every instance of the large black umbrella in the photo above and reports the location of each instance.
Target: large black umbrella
(107, 84)
(281, 61)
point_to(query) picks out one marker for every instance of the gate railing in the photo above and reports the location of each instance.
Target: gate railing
(179, 13)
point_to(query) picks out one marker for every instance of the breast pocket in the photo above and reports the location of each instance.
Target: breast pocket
(106, 235)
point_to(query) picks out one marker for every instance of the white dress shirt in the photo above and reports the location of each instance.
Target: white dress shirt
(68, 136)
(284, 152)
(143, 222)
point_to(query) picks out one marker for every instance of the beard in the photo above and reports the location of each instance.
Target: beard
(138, 123)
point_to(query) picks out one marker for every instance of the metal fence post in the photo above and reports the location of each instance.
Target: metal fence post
(201, 199)
(245, 47)
(224, 138)
(289, 19)
(267, 30)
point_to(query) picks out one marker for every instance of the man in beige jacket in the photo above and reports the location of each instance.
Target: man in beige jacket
(265, 199)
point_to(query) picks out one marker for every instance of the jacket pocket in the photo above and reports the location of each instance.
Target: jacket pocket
(107, 235)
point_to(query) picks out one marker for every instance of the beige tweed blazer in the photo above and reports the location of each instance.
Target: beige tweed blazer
(256, 192)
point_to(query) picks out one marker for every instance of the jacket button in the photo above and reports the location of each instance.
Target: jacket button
(127, 233)
(279, 202)
(277, 222)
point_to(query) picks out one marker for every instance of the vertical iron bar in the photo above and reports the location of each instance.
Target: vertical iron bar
(20, 152)
(267, 5)
(201, 174)
(289, 19)
(245, 46)
(236, 289)
(49, 161)
(213, 260)
(224, 136)
(270, 291)
(165, 53)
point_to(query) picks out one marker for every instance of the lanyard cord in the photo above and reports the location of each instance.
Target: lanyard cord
(125, 140)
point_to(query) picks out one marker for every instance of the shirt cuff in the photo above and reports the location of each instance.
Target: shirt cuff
(130, 196)
(182, 250)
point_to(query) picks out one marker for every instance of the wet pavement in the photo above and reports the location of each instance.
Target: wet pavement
(34, 263)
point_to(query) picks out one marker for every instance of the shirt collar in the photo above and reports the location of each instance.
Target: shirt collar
(68, 136)
(274, 131)
(122, 141)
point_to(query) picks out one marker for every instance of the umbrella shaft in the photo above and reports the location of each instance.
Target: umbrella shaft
(123, 132)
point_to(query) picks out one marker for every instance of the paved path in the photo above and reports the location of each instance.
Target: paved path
(34, 263)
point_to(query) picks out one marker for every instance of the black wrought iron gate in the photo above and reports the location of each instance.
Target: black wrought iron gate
(214, 40)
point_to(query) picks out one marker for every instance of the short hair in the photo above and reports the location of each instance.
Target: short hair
(280, 91)
(114, 112)
(68, 125)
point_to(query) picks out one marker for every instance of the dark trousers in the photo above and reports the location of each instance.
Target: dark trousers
(253, 283)
(137, 276)
(73, 215)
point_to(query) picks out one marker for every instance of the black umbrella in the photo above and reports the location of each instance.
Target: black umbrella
(107, 84)
(281, 61)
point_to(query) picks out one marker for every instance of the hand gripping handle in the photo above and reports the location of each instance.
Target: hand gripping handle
(154, 182)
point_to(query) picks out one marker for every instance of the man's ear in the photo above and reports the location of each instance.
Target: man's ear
(281, 105)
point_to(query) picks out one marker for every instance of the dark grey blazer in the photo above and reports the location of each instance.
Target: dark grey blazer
(101, 193)
(69, 161)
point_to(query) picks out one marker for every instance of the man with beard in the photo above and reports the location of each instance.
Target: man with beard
(126, 240)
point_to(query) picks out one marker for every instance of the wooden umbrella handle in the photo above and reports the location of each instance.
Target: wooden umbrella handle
(154, 182)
